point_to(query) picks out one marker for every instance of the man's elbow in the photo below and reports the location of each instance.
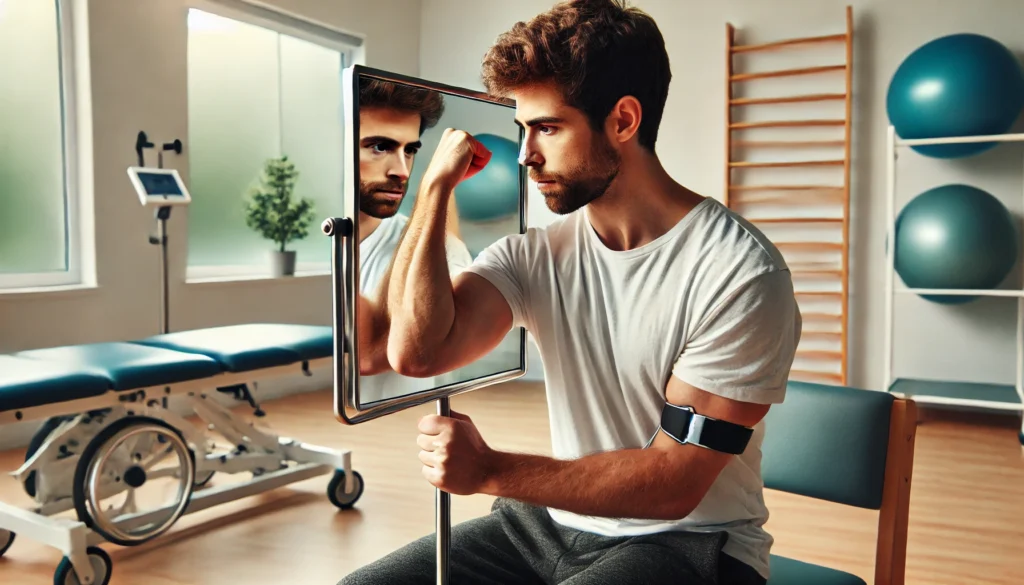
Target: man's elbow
(678, 504)
(674, 508)
(410, 361)
(371, 365)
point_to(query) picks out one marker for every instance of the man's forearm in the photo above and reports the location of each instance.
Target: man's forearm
(420, 300)
(628, 483)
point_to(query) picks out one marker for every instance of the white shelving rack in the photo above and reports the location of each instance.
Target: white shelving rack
(1005, 397)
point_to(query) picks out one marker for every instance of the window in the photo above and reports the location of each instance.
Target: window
(37, 200)
(256, 93)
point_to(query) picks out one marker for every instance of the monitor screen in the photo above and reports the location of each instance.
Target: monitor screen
(160, 184)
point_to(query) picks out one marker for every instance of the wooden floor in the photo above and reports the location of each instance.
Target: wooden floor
(966, 517)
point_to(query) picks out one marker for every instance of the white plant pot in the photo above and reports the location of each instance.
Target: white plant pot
(282, 263)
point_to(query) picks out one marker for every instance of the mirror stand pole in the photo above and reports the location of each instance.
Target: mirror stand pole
(443, 515)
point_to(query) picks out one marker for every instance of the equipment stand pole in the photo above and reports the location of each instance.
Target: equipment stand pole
(444, 515)
(162, 214)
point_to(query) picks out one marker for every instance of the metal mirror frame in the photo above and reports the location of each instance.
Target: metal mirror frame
(344, 232)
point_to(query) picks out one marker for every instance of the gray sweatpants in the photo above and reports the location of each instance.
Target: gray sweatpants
(520, 544)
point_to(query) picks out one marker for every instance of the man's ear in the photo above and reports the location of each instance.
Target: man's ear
(624, 120)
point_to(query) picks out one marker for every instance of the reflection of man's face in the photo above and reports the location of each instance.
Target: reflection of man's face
(388, 142)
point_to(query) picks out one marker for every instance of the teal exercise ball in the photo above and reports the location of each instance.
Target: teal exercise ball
(955, 237)
(957, 85)
(492, 193)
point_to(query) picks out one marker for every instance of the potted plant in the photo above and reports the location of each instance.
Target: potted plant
(273, 211)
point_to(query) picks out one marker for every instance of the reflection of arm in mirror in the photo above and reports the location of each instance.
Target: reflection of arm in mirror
(392, 120)
(373, 336)
(453, 219)
(374, 326)
(374, 313)
(440, 323)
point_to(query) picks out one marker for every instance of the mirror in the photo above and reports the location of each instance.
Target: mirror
(393, 125)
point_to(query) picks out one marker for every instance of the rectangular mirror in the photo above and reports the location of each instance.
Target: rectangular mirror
(393, 124)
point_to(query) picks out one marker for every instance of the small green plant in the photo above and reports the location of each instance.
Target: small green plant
(271, 208)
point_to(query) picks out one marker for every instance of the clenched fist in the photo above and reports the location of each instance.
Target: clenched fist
(455, 457)
(458, 157)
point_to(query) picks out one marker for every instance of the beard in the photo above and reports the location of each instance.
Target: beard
(375, 204)
(584, 182)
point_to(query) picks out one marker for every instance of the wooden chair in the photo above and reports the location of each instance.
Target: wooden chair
(849, 446)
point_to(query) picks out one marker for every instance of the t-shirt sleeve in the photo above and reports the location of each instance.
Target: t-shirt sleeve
(501, 264)
(745, 346)
(458, 255)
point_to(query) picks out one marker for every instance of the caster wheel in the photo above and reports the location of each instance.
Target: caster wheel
(336, 490)
(6, 540)
(101, 569)
(1020, 437)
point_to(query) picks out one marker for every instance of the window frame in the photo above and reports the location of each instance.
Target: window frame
(72, 276)
(281, 22)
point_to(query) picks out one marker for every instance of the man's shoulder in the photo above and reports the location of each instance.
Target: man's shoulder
(731, 241)
(543, 238)
(724, 254)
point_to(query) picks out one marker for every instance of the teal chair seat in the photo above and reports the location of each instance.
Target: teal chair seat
(793, 572)
(847, 446)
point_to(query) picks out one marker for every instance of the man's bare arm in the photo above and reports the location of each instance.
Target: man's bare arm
(666, 481)
(438, 325)
(372, 323)
(374, 317)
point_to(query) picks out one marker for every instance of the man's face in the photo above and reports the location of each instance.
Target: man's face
(570, 162)
(388, 143)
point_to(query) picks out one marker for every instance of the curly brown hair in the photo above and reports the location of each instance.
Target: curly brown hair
(388, 94)
(597, 51)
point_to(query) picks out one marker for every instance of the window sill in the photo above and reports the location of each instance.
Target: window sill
(54, 291)
(249, 278)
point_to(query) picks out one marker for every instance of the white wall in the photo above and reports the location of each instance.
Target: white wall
(970, 342)
(138, 74)
(137, 58)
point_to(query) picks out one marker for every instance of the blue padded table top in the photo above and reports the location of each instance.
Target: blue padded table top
(128, 366)
(25, 383)
(242, 348)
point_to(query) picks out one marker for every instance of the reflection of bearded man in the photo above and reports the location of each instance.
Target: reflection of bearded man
(394, 116)
(374, 202)
(392, 120)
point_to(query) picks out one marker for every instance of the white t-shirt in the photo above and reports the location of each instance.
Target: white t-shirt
(375, 253)
(710, 301)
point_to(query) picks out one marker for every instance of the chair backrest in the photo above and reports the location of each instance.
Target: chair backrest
(848, 446)
(829, 443)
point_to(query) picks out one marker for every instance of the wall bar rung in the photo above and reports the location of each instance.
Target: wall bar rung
(789, 43)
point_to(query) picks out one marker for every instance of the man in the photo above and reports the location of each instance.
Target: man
(392, 119)
(642, 295)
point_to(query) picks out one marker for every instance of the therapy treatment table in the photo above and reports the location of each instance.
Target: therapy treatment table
(115, 458)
